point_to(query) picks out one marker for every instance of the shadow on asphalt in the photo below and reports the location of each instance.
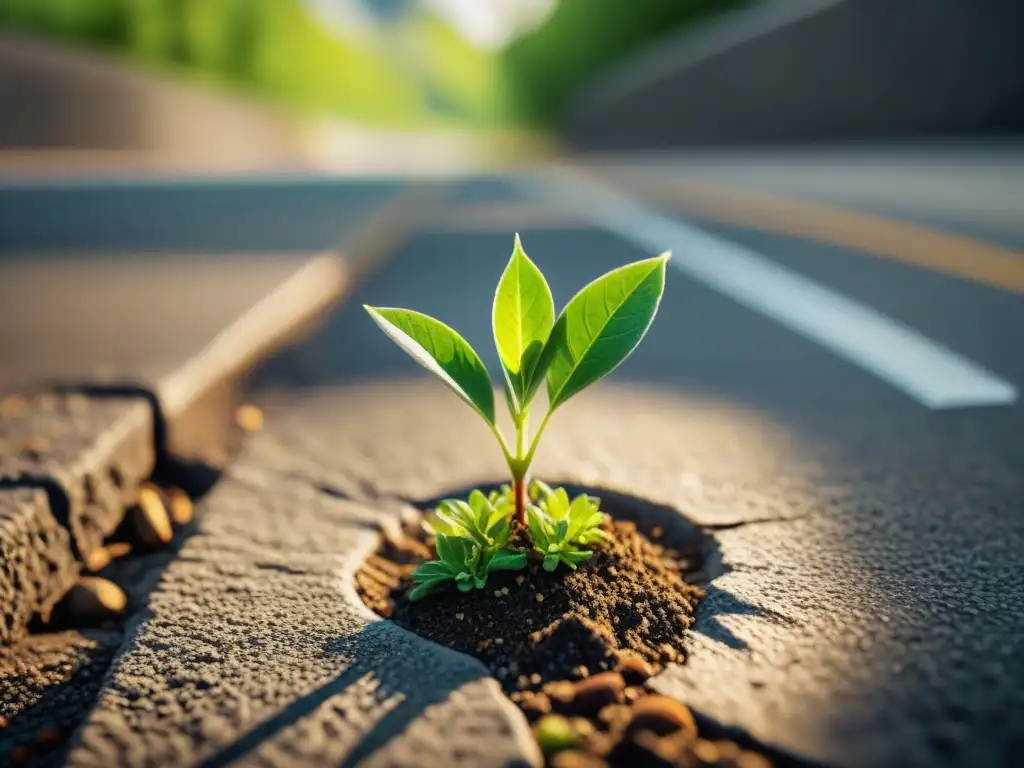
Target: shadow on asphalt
(399, 697)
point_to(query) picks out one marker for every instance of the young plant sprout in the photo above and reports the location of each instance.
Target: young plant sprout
(560, 529)
(598, 329)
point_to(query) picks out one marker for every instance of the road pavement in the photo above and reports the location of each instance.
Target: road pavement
(867, 606)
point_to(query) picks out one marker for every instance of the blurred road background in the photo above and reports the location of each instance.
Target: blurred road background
(841, 183)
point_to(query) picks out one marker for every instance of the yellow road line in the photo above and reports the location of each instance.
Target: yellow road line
(828, 224)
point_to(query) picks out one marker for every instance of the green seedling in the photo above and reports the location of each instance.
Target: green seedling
(598, 329)
(463, 563)
(560, 529)
(485, 520)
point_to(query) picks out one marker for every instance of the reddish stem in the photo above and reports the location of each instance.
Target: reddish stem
(519, 488)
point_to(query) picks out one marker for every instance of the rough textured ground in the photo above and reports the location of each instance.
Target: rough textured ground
(46, 683)
(841, 625)
(36, 562)
(255, 650)
(90, 454)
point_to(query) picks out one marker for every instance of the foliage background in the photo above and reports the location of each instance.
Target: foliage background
(418, 72)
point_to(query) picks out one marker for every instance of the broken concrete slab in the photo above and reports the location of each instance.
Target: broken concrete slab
(88, 454)
(36, 562)
(255, 650)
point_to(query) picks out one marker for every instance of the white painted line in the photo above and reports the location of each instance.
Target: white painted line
(932, 374)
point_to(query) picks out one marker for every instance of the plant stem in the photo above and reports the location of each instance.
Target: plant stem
(519, 488)
(521, 467)
(528, 459)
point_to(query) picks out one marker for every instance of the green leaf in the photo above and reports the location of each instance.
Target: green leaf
(522, 316)
(427, 587)
(572, 558)
(601, 326)
(432, 569)
(504, 560)
(441, 351)
(535, 523)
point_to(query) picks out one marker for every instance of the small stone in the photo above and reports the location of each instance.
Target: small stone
(535, 678)
(705, 751)
(561, 693)
(657, 532)
(100, 558)
(614, 716)
(555, 733)
(499, 641)
(497, 593)
(728, 751)
(573, 758)
(182, 510)
(504, 590)
(634, 667)
(752, 760)
(94, 600)
(662, 715)
(540, 598)
(582, 725)
(460, 615)
(534, 705)
(249, 418)
(151, 523)
(595, 692)
(520, 580)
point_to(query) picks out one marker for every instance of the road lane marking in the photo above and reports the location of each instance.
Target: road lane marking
(820, 222)
(935, 376)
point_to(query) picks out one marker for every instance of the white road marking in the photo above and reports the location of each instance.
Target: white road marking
(935, 376)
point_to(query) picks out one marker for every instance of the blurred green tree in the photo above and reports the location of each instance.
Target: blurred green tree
(583, 37)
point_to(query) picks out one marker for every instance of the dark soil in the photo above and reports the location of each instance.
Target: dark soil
(572, 648)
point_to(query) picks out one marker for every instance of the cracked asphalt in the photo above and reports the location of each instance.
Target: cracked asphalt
(865, 605)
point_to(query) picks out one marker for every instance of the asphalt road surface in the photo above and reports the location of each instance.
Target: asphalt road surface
(838, 405)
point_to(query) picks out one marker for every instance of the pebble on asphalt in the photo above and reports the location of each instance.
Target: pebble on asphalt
(634, 667)
(575, 759)
(150, 520)
(94, 600)
(100, 558)
(181, 506)
(661, 715)
(249, 418)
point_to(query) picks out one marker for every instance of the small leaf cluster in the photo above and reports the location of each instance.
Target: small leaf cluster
(472, 537)
(471, 542)
(561, 530)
